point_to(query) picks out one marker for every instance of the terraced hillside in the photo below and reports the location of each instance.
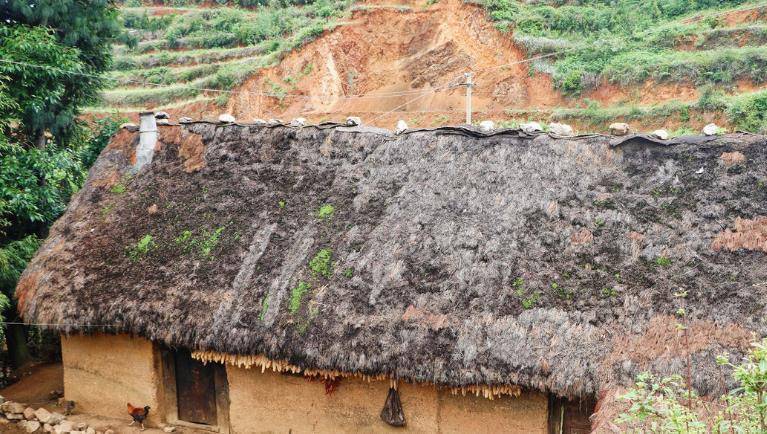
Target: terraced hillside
(170, 55)
(659, 63)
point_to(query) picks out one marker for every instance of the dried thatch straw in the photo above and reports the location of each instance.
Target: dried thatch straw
(481, 262)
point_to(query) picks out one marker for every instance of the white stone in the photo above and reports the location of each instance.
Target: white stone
(619, 129)
(185, 120)
(31, 425)
(353, 121)
(711, 130)
(81, 426)
(43, 415)
(163, 122)
(56, 418)
(274, 121)
(109, 431)
(298, 122)
(661, 134)
(487, 126)
(47, 427)
(259, 121)
(531, 127)
(401, 126)
(64, 427)
(563, 130)
(14, 416)
(161, 115)
(76, 432)
(12, 407)
(169, 429)
(90, 430)
(29, 413)
(226, 118)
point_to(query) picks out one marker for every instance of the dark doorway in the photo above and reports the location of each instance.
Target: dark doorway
(195, 390)
(570, 417)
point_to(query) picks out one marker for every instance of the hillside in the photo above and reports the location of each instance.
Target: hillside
(663, 63)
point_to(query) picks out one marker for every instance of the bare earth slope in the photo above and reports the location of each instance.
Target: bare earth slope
(386, 50)
(408, 59)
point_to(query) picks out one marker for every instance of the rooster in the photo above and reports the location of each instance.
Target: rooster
(138, 414)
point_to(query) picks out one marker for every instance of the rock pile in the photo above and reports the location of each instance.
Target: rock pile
(40, 420)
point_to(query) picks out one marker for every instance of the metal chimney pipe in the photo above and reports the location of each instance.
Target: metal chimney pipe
(147, 139)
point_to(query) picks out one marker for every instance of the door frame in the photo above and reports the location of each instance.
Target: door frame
(170, 396)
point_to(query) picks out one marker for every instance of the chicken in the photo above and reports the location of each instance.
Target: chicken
(138, 414)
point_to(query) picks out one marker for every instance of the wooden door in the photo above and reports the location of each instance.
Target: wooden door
(195, 390)
(570, 417)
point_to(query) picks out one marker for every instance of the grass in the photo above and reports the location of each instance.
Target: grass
(215, 48)
(626, 41)
(141, 248)
(321, 264)
(297, 295)
(745, 111)
(224, 78)
(325, 212)
(203, 244)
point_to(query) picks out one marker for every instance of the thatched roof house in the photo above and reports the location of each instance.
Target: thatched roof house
(500, 264)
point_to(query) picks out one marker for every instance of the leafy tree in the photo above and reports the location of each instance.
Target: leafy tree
(89, 26)
(45, 47)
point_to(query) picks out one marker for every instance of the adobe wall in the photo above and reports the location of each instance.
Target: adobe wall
(272, 402)
(102, 373)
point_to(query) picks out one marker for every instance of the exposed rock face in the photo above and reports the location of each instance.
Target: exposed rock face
(548, 263)
(661, 134)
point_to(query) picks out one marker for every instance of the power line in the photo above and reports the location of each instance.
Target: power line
(59, 324)
(205, 89)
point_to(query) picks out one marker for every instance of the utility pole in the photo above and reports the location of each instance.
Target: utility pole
(469, 84)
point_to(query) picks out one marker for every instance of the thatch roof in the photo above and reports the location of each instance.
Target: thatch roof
(454, 258)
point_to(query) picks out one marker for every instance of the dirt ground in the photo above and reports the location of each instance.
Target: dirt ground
(35, 387)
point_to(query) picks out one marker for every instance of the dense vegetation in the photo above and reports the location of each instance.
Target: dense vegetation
(628, 42)
(44, 150)
(170, 57)
(669, 405)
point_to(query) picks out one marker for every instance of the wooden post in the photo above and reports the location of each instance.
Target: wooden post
(469, 84)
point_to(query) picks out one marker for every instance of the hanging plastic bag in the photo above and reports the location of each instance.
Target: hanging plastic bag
(392, 411)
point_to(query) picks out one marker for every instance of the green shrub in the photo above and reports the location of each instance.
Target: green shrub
(669, 405)
(749, 112)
